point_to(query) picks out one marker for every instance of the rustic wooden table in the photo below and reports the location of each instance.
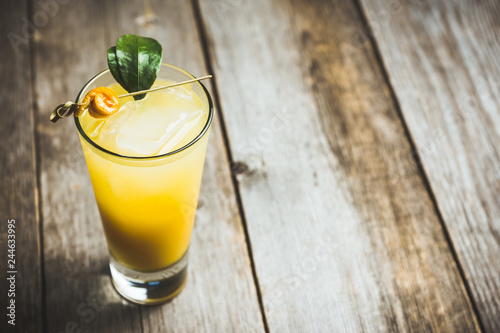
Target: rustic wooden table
(352, 180)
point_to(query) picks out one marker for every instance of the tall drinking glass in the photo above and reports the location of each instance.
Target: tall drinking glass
(148, 204)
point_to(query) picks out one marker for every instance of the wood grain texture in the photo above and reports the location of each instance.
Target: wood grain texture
(18, 185)
(220, 294)
(79, 295)
(443, 62)
(345, 236)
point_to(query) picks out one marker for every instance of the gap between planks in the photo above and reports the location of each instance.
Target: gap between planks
(36, 161)
(202, 32)
(416, 156)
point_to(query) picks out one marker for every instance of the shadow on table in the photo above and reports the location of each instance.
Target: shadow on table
(86, 301)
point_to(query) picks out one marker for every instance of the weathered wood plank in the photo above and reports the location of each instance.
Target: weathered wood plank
(443, 62)
(18, 185)
(344, 234)
(220, 294)
(79, 295)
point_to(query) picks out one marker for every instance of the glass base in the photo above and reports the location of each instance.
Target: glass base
(149, 288)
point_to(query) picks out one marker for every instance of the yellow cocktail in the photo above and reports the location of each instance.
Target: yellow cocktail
(146, 164)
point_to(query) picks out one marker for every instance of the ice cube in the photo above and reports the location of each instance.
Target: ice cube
(161, 122)
(155, 121)
(181, 132)
(110, 127)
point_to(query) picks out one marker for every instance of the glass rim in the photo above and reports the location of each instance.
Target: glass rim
(186, 146)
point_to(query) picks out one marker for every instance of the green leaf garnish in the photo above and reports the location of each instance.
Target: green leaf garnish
(135, 62)
(113, 66)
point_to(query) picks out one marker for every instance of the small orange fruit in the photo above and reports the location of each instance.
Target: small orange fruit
(101, 102)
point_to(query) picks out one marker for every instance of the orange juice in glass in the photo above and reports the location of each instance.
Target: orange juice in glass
(146, 163)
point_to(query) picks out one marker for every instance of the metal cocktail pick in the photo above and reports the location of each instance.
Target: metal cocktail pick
(67, 109)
